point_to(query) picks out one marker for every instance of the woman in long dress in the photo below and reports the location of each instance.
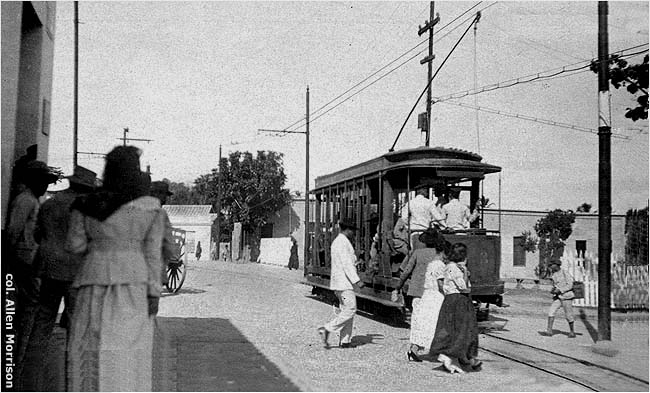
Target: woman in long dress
(119, 232)
(456, 335)
(425, 268)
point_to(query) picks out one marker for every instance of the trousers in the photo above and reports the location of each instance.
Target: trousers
(344, 320)
(567, 305)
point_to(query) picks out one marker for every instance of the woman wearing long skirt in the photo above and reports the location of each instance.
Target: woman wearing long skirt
(119, 232)
(425, 268)
(456, 335)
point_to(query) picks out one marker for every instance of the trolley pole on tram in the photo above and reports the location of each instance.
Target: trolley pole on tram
(306, 132)
(604, 179)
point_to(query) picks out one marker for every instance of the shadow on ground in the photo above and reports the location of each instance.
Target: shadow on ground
(210, 354)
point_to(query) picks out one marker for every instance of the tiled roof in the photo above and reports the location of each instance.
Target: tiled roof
(188, 210)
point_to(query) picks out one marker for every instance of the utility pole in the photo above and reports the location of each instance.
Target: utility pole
(75, 138)
(219, 203)
(306, 132)
(124, 138)
(306, 245)
(428, 26)
(604, 179)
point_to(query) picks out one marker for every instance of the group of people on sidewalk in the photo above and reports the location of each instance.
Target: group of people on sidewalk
(100, 249)
(443, 321)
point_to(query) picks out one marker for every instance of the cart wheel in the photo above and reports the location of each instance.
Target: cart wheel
(176, 272)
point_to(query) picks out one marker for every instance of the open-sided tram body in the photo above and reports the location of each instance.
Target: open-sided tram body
(371, 195)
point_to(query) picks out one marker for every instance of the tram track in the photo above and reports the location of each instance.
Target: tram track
(577, 371)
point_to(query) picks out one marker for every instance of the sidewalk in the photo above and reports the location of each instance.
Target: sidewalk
(526, 318)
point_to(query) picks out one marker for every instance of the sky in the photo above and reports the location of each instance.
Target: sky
(192, 76)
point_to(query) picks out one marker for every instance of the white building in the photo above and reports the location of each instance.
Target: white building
(197, 221)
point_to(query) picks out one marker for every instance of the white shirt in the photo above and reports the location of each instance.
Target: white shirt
(458, 215)
(343, 272)
(423, 211)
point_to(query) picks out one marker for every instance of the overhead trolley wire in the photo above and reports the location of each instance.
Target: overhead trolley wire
(386, 66)
(533, 77)
(533, 119)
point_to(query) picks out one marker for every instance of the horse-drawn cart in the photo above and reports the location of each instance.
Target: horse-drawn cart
(177, 265)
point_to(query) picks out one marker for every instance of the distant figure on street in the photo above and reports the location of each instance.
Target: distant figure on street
(343, 279)
(293, 257)
(160, 190)
(562, 297)
(57, 269)
(119, 231)
(198, 250)
(457, 215)
(420, 214)
(456, 334)
(426, 270)
(20, 230)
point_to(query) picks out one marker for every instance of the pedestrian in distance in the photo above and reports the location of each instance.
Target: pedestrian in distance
(563, 295)
(119, 231)
(293, 256)
(198, 251)
(20, 231)
(456, 334)
(57, 269)
(426, 270)
(343, 280)
(160, 191)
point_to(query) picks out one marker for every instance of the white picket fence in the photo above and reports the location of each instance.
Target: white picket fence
(629, 285)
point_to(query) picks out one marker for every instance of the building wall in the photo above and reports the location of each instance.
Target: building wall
(289, 221)
(27, 60)
(514, 222)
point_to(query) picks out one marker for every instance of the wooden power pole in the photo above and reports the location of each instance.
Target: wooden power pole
(604, 179)
(219, 204)
(75, 121)
(428, 26)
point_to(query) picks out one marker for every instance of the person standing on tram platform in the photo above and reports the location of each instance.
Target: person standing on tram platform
(421, 213)
(343, 280)
(457, 215)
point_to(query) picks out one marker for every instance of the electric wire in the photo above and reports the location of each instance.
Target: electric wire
(531, 77)
(387, 65)
(533, 119)
(432, 78)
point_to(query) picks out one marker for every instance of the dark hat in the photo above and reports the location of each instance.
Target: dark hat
(429, 237)
(83, 176)
(160, 187)
(347, 224)
(41, 170)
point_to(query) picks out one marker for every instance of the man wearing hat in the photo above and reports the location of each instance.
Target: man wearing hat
(56, 267)
(160, 190)
(563, 295)
(343, 280)
(21, 225)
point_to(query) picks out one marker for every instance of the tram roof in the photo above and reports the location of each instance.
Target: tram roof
(448, 162)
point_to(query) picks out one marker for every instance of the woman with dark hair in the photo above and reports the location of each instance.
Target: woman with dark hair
(425, 268)
(456, 335)
(118, 230)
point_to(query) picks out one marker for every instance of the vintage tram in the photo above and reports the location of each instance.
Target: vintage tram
(372, 194)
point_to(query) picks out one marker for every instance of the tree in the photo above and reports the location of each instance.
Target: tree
(636, 237)
(553, 230)
(184, 195)
(634, 77)
(584, 208)
(252, 189)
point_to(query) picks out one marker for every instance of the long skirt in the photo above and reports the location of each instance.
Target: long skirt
(425, 317)
(111, 339)
(457, 331)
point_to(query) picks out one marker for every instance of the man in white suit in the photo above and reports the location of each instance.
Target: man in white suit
(343, 281)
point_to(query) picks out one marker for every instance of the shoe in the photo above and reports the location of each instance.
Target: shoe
(475, 364)
(324, 334)
(346, 345)
(412, 357)
(572, 335)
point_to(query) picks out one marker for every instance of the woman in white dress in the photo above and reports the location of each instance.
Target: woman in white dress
(425, 269)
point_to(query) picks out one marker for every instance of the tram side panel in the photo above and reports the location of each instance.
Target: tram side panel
(484, 264)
